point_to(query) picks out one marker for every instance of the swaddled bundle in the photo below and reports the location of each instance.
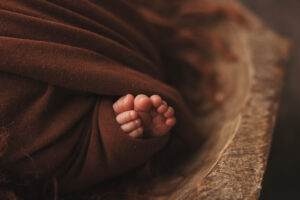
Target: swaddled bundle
(63, 63)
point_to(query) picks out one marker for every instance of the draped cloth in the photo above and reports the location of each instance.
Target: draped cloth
(62, 65)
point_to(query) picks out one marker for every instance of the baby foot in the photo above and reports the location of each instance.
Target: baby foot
(127, 117)
(163, 118)
(144, 116)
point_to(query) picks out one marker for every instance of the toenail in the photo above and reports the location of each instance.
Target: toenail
(114, 106)
(169, 112)
(125, 99)
(138, 122)
(162, 109)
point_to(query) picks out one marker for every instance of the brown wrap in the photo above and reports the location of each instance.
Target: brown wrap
(62, 65)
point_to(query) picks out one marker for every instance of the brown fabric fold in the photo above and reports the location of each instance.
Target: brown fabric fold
(62, 65)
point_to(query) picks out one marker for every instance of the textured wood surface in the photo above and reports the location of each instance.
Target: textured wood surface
(281, 179)
(239, 171)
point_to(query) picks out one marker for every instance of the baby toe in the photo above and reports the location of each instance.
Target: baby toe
(126, 116)
(170, 121)
(162, 108)
(142, 103)
(169, 112)
(156, 100)
(130, 126)
(123, 104)
(137, 133)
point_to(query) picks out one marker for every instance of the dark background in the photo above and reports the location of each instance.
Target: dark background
(282, 177)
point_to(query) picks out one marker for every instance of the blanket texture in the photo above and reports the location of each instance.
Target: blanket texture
(63, 64)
